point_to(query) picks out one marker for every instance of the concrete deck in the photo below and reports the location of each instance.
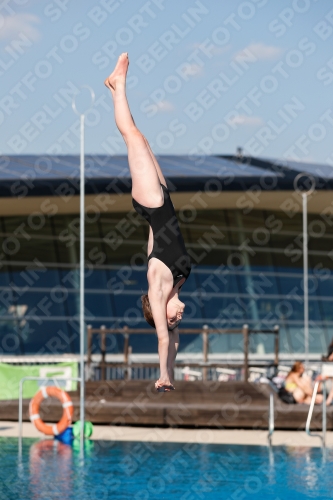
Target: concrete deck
(172, 435)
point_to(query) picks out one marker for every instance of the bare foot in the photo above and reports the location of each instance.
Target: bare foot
(164, 385)
(119, 73)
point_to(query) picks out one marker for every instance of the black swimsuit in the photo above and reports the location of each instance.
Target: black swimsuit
(169, 246)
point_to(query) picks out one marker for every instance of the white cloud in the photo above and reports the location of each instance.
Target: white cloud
(192, 70)
(12, 26)
(218, 51)
(165, 106)
(261, 51)
(252, 121)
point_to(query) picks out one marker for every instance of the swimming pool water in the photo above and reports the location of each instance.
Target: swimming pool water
(51, 470)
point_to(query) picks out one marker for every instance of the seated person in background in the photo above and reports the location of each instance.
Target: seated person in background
(327, 359)
(300, 386)
(329, 356)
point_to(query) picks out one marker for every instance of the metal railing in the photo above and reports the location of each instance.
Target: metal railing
(324, 417)
(127, 366)
(271, 419)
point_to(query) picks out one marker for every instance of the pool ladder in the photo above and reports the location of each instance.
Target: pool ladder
(308, 421)
(270, 418)
(324, 424)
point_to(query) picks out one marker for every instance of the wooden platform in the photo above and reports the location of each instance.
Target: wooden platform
(193, 404)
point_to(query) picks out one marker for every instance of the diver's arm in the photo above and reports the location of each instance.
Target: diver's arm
(158, 300)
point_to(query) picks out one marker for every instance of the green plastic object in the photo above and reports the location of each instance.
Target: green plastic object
(89, 446)
(87, 429)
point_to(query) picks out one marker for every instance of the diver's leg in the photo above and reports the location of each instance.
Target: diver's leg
(146, 187)
(158, 168)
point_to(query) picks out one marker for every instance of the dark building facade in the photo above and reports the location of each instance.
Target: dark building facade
(242, 224)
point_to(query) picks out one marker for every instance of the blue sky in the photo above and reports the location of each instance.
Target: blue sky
(205, 76)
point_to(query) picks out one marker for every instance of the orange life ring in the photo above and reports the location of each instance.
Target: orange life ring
(66, 419)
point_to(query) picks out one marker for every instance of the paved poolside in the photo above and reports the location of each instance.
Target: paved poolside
(174, 435)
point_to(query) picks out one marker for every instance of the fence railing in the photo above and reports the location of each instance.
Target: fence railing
(126, 366)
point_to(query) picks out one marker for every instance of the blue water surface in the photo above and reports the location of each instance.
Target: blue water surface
(154, 471)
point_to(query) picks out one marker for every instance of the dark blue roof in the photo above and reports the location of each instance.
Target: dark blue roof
(42, 175)
(315, 169)
(52, 167)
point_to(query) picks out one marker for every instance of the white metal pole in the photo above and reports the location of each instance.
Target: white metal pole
(324, 413)
(305, 277)
(82, 290)
(82, 325)
(20, 417)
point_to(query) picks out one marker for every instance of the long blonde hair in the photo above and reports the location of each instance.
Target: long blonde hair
(295, 368)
